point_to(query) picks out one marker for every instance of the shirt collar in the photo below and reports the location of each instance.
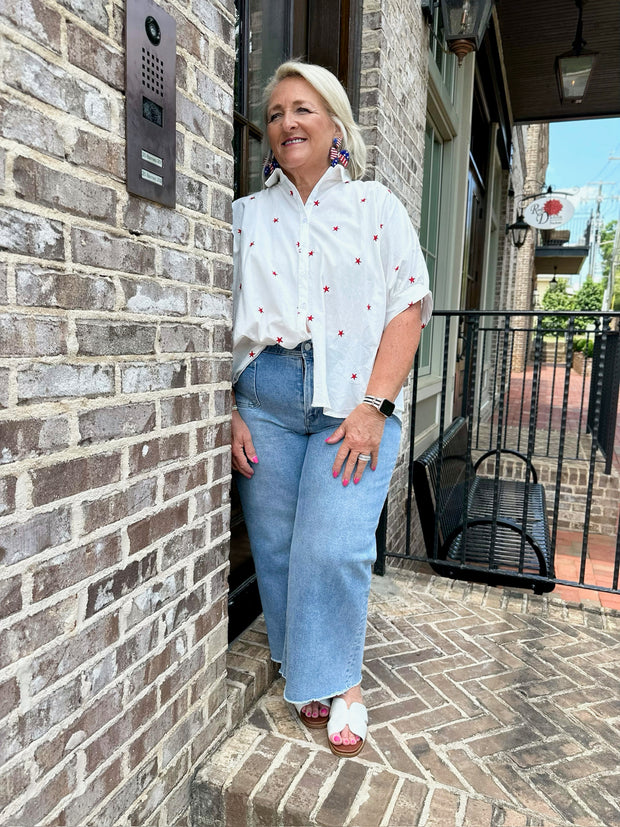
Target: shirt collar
(331, 175)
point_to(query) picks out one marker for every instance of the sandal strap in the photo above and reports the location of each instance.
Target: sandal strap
(323, 701)
(355, 716)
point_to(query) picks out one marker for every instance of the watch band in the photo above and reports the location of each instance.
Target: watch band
(384, 406)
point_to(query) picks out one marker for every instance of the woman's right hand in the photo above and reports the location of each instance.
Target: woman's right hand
(243, 451)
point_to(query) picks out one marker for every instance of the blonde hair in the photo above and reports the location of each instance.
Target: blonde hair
(336, 102)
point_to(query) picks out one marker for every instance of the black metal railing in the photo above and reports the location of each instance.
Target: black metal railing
(544, 385)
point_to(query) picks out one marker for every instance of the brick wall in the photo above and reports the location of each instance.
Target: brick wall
(114, 422)
(393, 119)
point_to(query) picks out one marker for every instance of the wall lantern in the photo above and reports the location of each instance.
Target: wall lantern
(573, 68)
(464, 23)
(518, 230)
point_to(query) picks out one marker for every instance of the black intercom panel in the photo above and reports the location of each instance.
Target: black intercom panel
(150, 66)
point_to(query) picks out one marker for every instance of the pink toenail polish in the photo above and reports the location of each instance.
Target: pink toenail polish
(345, 482)
(356, 480)
(337, 739)
(335, 474)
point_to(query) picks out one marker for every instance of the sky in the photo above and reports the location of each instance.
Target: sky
(582, 154)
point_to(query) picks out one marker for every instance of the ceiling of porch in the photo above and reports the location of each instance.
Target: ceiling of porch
(533, 32)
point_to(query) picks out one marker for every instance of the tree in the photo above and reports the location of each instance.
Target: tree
(607, 246)
(588, 297)
(556, 298)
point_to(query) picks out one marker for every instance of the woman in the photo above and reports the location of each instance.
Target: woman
(330, 294)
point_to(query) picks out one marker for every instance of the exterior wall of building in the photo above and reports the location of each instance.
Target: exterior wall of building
(114, 422)
(393, 117)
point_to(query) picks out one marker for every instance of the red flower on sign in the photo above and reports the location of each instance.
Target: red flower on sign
(553, 206)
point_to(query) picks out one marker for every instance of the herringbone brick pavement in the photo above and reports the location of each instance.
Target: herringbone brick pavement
(487, 707)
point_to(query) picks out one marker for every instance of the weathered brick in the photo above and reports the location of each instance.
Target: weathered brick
(38, 286)
(185, 479)
(59, 381)
(119, 583)
(9, 696)
(149, 601)
(213, 436)
(152, 376)
(109, 252)
(157, 452)
(10, 595)
(212, 305)
(22, 438)
(224, 65)
(7, 495)
(178, 410)
(95, 57)
(34, 19)
(51, 84)
(192, 39)
(13, 783)
(184, 338)
(31, 235)
(193, 117)
(54, 789)
(210, 370)
(192, 194)
(90, 11)
(190, 604)
(222, 133)
(97, 789)
(69, 654)
(117, 506)
(32, 335)
(210, 560)
(157, 299)
(168, 780)
(3, 283)
(22, 540)
(101, 154)
(121, 420)
(73, 476)
(29, 634)
(212, 165)
(221, 205)
(71, 567)
(115, 809)
(206, 622)
(43, 185)
(213, 239)
(151, 219)
(222, 275)
(158, 525)
(183, 546)
(97, 338)
(181, 266)
(222, 338)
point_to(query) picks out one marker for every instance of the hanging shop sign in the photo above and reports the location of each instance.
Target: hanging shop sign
(549, 211)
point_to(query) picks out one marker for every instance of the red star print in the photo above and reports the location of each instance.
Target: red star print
(290, 192)
(311, 253)
(397, 267)
(239, 287)
(252, 197)
(410, 304)
(260, 310)
(375, 237)
(239, 230)
(279, 339)
(273, 273)
(310, 318)
(251, 353)
(380, 226)
(423, 326)
(354, 376)
(367, 307)
(358, 260)
(341, 332)
(326, 289)
(335, 229)
(251, 243)
(363, 199)
(411, 279)
(275, 220)
(298, 243)
(316, 203)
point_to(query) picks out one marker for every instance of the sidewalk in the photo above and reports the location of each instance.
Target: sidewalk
(487, 707)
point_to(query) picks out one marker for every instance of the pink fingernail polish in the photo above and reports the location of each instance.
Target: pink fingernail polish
(254, 459)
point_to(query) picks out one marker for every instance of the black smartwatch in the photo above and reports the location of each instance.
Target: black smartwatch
(384, 406)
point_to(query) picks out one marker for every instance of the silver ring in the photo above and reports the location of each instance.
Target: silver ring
(364, 457)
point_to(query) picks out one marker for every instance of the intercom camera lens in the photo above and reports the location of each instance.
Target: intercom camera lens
(153, 32)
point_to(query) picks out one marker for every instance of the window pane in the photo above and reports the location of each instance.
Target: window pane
(269, 45)
(256, 160)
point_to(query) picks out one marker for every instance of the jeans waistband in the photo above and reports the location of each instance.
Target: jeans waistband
(302, 347)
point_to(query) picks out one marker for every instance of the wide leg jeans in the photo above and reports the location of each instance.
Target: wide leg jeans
(312, 538)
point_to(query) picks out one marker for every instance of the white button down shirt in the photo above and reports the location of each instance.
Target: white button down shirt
(336, 270)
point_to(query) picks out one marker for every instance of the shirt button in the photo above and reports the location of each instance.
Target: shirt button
(307, 345)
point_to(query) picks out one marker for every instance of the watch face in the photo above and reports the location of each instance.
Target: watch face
(387, 407)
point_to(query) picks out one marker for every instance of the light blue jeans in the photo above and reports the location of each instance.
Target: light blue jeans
(312, 539)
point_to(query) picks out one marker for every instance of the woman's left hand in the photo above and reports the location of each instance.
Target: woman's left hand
(361, 433)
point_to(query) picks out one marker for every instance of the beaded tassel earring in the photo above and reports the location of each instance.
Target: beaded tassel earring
(270, 165)
(337, 155)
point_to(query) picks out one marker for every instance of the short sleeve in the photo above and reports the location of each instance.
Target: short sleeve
(404, 267)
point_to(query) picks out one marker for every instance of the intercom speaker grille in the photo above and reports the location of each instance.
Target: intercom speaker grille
(152, 72)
